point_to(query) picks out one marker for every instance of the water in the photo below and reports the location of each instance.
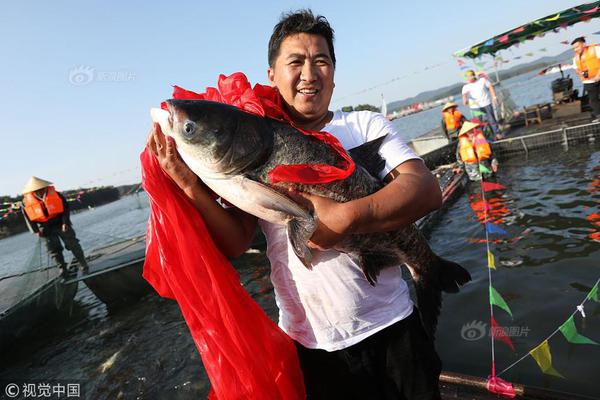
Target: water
(525, 90)
(546, 264)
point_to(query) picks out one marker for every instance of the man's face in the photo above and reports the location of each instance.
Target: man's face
(303, 73)
(470, 76)
(578, 47)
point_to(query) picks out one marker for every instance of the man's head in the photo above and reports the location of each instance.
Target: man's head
(302, 64)
(470, 75)
(578, 45)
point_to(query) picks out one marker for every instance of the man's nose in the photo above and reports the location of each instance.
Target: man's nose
(309, 72)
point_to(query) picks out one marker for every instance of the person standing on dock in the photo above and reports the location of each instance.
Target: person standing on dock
(587, 63)
(474, 153)
(452, 121)
(478, 94)
(354, 340)
(46, 213)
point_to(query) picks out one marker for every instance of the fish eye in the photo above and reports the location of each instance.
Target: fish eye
(189, 128)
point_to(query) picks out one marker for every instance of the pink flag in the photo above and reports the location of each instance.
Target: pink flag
(500, 386)
(503, 39)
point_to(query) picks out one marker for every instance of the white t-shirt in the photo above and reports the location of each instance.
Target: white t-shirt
(332, 306)
(477, 93)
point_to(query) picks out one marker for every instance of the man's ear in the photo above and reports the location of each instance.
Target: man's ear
(271, 76)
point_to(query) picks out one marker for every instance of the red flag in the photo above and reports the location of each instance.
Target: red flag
(487, 186)
(500, 386)
(503, 39)
(246, 356)
(498, 333)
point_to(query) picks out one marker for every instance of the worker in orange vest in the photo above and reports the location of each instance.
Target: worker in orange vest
(47, 215)
(587, 63)
(452, 121)
(474, 152)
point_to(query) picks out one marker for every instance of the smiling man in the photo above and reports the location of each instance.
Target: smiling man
(354, 340)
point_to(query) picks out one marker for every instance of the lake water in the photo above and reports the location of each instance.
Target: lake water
(546, 264)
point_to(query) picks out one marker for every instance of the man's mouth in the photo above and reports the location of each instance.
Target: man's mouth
(308, 91)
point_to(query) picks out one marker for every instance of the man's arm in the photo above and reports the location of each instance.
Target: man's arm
(32, 226)
(464, 98)
(492, 91)
(231, 229)
(66, 215)
(444, 129)
(412, 192)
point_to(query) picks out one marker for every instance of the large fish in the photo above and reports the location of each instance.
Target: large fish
(233, 152)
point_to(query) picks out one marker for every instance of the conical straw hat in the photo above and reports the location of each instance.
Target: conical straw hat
(448, 105)
(34, 183)
(467, 126)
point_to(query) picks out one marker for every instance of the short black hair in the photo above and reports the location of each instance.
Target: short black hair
(579, 39)
(301, 21)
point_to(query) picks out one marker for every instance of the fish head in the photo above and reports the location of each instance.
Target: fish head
(215, 138)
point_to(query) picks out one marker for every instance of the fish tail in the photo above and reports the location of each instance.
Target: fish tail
(452, 276)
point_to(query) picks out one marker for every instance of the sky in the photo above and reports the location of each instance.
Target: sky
(77, 79)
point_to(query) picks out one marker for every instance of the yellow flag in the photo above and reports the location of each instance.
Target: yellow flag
(491, 262)
(543, 358)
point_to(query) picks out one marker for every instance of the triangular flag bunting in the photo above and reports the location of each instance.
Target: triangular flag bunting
(483, 169)
(497, 300)
(543, 358)
(488, 186)
(491, 262)
(593, 295)
(476, 113)
(491, 228)
(570, 333)
(499, 333)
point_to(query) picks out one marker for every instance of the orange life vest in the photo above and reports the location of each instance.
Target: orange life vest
(42, 211)
(472, 152)
(588, 61)
(452, 119)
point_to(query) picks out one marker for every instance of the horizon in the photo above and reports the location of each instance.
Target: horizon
(79, 81)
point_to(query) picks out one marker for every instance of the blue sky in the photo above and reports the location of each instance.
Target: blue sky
(92, 133)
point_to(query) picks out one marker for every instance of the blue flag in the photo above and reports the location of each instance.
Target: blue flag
(491, 228)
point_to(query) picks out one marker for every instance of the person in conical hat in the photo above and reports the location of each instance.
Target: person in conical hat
(452, 121)
(474, 152)
(46, 213)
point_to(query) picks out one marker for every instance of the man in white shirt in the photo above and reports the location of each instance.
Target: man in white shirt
(354, 340)
(476, 95)
(587, 64)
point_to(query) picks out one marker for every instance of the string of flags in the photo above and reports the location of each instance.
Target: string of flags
(541, 353)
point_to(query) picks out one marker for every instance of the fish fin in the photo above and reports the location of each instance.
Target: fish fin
(452, 276)
(367, 156)
(299, 232)
(371, 263)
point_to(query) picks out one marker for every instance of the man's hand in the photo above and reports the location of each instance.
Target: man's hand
(334, 220)
(65, 227)
(165, 150)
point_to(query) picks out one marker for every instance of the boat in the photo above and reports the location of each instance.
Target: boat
(28, 300)
(115, 272)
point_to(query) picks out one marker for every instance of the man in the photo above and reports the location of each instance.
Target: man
(587, 63)
(452, 121)
(354, 340)
(476, 95)
(46, 213)
(474, 153)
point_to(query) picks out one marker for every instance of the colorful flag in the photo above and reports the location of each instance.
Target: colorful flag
(497, 300)
(489, 42)
(503, 39)
(488, 186)
(557, 16)
(565, 42)
(460, 62)
(593, 295)
(569, 331)
(498, 333)
(491, 261)
(491, 228)
(483, 169)
(542, 356)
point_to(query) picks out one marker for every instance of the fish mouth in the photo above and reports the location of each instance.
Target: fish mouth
(163, 118)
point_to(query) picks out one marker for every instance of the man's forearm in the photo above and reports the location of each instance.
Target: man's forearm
(403, 201)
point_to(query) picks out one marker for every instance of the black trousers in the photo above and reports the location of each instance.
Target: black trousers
(53, 235)
(399, 362)
(593, 90)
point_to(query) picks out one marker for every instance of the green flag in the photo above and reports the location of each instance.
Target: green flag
(483, 169)
(593, 295)
(570, 333)
(497, 300)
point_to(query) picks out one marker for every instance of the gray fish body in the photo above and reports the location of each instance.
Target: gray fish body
(233, 152)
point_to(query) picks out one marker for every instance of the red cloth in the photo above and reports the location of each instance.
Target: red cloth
(246, 356)
(266, 102)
